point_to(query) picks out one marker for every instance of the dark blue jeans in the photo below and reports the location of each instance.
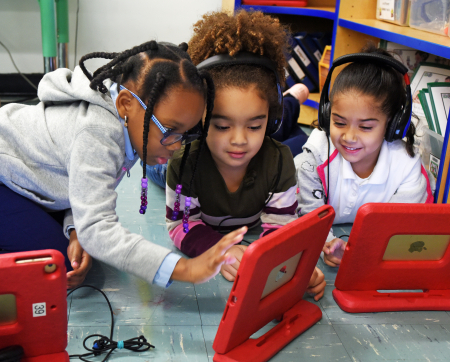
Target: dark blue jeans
(25, 226)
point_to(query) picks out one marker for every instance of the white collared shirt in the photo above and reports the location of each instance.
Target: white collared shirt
(352, 191)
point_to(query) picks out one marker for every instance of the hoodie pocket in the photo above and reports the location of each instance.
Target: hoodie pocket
(32, 195)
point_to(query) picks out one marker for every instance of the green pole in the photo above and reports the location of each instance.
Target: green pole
(48, 33)
(48, 27)
(62, 31)
(62, 21)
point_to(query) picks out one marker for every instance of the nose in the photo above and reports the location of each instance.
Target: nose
(349, 135)
(238, 136)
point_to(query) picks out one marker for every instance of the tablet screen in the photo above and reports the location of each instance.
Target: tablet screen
(8, 309)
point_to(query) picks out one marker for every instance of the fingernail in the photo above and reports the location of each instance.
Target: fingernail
(74, 264)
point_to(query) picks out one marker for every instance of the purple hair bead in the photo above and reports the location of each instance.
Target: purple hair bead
(144, 185)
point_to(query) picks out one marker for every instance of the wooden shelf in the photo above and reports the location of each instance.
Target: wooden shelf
(308, 110)
(313, 100)
(414, 38)
(325, 12)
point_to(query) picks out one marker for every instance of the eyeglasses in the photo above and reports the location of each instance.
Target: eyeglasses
(170, 137)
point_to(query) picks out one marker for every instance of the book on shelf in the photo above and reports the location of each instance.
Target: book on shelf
(425, 101)
(321, 39)
(298, 74)
(441, 194)
(309, 47)
(410, 57)
(440, 102)
(310, 70)
(427, 73)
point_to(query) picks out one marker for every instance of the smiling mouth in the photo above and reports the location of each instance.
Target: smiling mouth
(351, 148)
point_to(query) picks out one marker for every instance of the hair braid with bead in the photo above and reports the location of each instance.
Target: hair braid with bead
(153, 79)
(209, 107)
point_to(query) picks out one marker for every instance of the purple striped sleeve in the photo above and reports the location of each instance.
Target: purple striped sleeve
(290, 210)
(199, 239)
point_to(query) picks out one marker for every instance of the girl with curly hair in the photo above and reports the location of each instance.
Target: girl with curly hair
(238, 175)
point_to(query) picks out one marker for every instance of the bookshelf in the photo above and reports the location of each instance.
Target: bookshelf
(357, 23)
(354, 23)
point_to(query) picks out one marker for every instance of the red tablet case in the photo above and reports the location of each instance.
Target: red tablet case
(289, 3)
(362, 271)
(246, 313)
(43, 337)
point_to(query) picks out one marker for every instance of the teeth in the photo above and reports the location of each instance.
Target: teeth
(351, 149)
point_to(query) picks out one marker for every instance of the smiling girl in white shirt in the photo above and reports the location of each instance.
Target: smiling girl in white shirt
(354, 160)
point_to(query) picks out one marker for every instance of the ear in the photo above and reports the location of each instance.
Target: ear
(123, 103)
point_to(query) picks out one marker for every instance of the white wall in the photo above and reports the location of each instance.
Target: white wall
(103, 25)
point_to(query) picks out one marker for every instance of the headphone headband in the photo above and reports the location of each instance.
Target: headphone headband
(240, 58)
(248, 58)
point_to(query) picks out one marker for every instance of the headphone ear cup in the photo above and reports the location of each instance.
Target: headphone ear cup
(274, 125)
(270, 126)
(324, 118)
(393, 127)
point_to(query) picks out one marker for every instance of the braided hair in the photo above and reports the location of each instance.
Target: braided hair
(155, 68)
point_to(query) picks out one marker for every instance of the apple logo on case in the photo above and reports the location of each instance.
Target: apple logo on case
(417, 246)
(281, 273)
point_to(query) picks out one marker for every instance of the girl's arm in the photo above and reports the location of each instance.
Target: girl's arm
(417, 186)
(310, 194)
(93, 165)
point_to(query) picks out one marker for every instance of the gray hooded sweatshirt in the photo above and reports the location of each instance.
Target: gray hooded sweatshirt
(68, 152)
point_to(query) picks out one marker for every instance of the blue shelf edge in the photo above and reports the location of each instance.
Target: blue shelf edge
(311, 103)
(419, 44)
(291, 11)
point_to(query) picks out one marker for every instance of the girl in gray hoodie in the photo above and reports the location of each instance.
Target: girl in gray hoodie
(68, 153)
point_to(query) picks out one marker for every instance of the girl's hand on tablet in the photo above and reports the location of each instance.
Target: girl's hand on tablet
(207, 265)
(317, 284)
(333, 251)
(229, 271)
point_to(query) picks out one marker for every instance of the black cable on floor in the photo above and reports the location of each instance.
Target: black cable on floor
(106, 345)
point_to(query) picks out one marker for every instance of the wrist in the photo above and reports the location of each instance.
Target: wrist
(181, 271)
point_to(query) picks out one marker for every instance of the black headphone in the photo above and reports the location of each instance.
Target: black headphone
(400, 122)
(248, 58)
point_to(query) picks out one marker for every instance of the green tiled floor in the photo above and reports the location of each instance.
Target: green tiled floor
(182, 321)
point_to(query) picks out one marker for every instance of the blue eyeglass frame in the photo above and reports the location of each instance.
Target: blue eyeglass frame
(167, 132)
